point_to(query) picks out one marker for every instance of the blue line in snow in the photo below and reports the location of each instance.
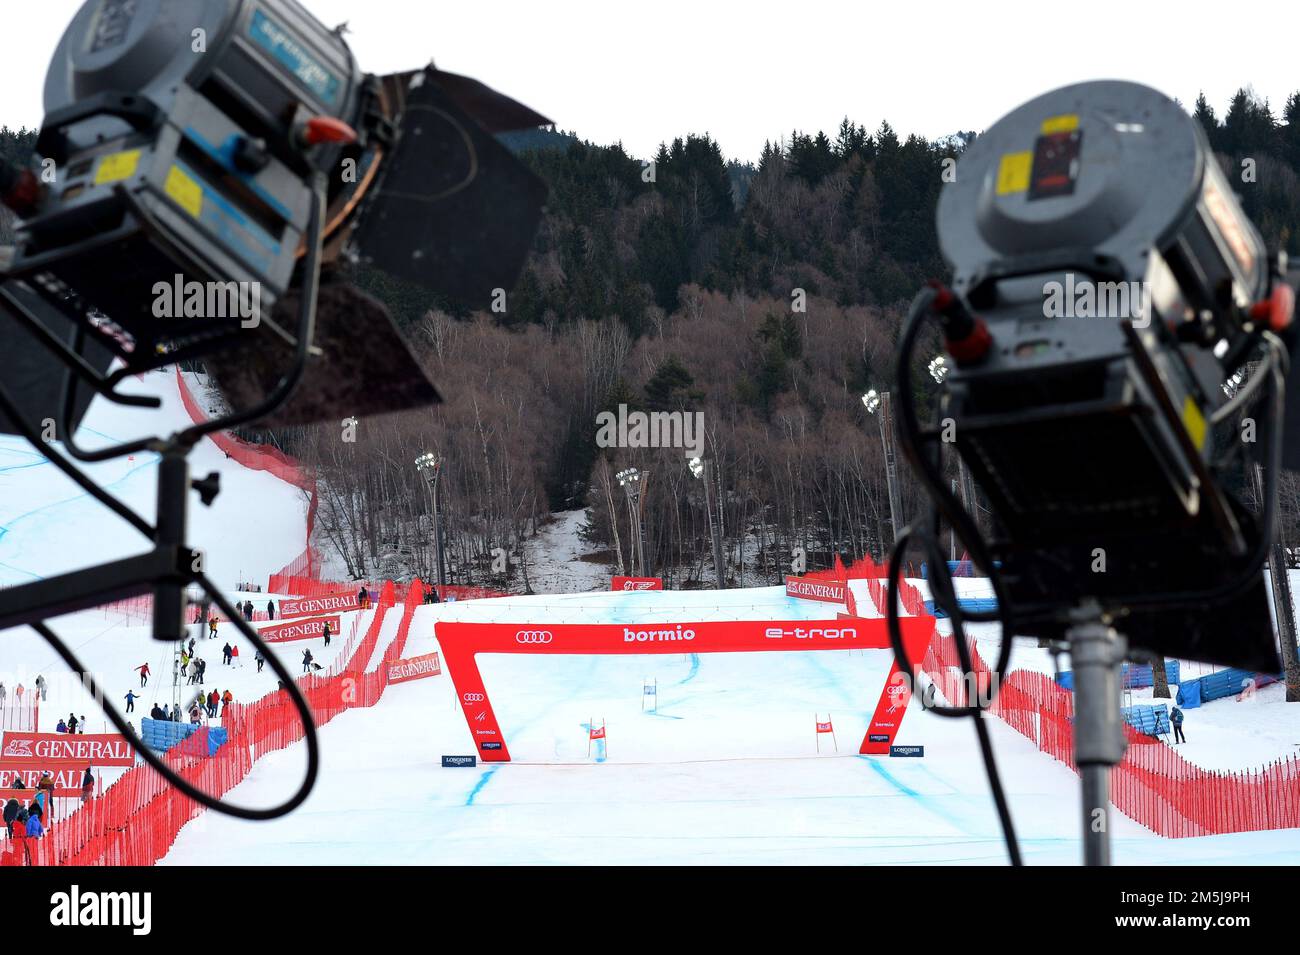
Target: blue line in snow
(478, 787)
(695, 669)
(888, 777)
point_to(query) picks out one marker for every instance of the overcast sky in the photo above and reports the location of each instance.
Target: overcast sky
(745, 72)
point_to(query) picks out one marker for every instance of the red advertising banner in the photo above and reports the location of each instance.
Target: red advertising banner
(829, 591)
(889, 712)
(299, 629)
(98, 749)
(67, 776)
(597, 732)
(825, 727)
(414, 668)
(306, 606)
(462, 642)
(637, 583)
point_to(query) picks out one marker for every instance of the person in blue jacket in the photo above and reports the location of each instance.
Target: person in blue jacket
(130, 701)
(62, 727)
(34, 828)
(1176, 718)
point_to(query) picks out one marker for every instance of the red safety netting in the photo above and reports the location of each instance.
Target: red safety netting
(136, 820)
(1153, 785)
(260, 457)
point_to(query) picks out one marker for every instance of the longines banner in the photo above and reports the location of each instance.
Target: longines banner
(462, 642)
(98, 749)
(306, 606)
(637, 583)
(414, 668)
(299, 629)
(830, 591)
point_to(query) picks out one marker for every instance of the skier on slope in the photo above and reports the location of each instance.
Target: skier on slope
(144, 673)
(306, 661)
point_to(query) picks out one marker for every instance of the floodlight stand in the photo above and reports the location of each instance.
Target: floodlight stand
(1096, 652)
(170, 567)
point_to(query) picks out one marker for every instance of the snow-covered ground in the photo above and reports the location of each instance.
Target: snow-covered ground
(726, 771)
(48, 525)
(556, 555)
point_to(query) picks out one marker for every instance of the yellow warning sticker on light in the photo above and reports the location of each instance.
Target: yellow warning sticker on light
(1194, 422)
(1013, 172)
(1066, 123)
(115, 167)
(184, 191)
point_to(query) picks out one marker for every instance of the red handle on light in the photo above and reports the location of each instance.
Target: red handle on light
(1278, 310)
(327, 129)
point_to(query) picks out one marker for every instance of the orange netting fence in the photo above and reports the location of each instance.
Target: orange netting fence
(137, 819)
(261, 457)
(1153, 785)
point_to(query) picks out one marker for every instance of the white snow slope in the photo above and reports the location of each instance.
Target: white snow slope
(726, 771)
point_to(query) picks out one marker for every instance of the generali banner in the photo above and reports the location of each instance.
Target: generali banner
(67, 776)
(307, 606)
(462, 642)
(829, 591)
(414, 668)
(299, 629)
(97, 749)
(637, 583)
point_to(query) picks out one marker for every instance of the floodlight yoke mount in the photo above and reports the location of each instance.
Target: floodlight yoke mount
(171, 567)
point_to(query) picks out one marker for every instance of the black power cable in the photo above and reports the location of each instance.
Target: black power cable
(186, 439)
(169, 774)
(942, 589)
(949, 507)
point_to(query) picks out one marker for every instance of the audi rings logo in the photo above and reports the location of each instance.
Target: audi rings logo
(473, 697)
(534, 636)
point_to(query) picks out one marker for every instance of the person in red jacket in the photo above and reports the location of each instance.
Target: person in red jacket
(144, 673)
(226, 698)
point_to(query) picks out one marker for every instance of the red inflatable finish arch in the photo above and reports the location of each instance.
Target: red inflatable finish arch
(462, 642)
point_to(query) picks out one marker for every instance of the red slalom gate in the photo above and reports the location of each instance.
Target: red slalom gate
(462, 642)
